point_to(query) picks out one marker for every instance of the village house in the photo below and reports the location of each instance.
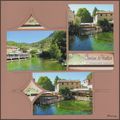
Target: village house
(103, 15)
(87, 84)
(12, 49)
(71, 84)
(71, 16)
(14, 52)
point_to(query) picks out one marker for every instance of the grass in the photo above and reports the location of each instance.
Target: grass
(75, 105)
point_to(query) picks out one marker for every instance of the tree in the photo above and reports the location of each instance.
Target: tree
(23, 49)
(85, 15)
(45, 83)
(55, 44)
(89, 77)
(94, 11)
(56, 79)
(55, 51)
(66, 93)
(105, 25)
(59, 38)
(33, 52)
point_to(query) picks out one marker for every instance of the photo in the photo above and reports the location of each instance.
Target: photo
(91, 61)
(90, 27)
(61, 93)
(36, 50)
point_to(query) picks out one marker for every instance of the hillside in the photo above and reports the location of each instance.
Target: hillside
(54, 45)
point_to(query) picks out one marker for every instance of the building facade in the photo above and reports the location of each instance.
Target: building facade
(12, 49)
(14, 52)
(87, 84)
(71, 16)
(103, 15)
(71, 84)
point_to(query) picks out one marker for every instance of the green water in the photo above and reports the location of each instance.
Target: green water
(70, 107)
(96, 42)
(34, 64)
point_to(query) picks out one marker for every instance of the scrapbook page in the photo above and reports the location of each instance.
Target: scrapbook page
(60, 59)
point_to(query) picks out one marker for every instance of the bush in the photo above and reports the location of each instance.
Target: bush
(33, 52)
(105, 25)
(66, 93)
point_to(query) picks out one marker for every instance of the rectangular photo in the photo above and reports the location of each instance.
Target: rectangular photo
(90, 27)
(63, 93)
(42, 50)
(91, 61)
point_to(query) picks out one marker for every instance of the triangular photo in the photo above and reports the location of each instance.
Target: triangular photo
(31, 23)
(32, 90)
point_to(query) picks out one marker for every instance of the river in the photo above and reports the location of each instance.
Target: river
(96, 42)
(34, 64)
(70, 107)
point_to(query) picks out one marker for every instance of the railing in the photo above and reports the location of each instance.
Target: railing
(17, 56)
(48, 101)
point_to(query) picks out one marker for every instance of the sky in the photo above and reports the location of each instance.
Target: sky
(27, 36)
(106, 7)
(63, 75)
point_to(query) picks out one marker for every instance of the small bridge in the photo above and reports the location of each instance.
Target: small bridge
(89, 28)
(48, 98)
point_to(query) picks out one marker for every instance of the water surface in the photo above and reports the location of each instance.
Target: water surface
(96, 42)
(34, 64)
(70, 107)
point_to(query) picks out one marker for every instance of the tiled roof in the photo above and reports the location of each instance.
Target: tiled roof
(68, 81)
(103, 12)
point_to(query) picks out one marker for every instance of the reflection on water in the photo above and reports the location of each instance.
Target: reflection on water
(96, 42)
(63, 108)
(34, 64)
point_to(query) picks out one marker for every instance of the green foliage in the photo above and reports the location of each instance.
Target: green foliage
(55, 52)
(45, 83)
(12, 43)
(105, 25)
(59, 38)
(33, 52)
(66, 93)
(54, 46)
(45, 55)
(56, 79)
(94, 11)
(89, 77)
(77, 20)
(22, 46)
(74, 30)
(85, 15)
(24, 49)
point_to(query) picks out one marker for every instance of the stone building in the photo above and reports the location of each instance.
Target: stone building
(87, 84)
(71, 84)
(71, 16)
(103, 15)
(12, 49)
(14, 52)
